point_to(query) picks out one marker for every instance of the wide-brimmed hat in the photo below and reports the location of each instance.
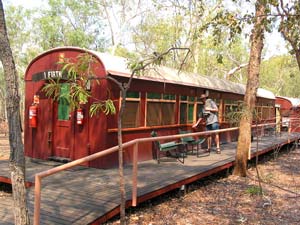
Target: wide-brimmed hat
(203, 96)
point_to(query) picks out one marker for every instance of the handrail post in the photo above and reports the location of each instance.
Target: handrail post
(37, 199)
(134, 174)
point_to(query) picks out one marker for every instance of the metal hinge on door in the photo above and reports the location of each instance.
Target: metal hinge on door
(49, 138)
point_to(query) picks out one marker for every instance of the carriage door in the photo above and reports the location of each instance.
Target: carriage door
(41, 142)
(63, 126)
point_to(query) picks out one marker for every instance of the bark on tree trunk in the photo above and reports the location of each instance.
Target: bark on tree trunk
(121, 166)
(244, 139)
(17, 159)
(294, 44)
(289, 23)
(19, 194)
(298, 57)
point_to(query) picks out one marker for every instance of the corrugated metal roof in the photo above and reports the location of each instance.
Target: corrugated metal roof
(119, 66)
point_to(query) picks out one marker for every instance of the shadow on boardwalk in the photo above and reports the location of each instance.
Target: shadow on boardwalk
(83, 195)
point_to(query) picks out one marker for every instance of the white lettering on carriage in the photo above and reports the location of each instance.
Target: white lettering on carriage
(52, 74)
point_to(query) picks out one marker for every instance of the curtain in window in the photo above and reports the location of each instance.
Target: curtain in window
(131, 116)
(63, 102)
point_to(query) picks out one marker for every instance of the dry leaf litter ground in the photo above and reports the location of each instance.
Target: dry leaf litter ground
(5, 190)
(222, 199)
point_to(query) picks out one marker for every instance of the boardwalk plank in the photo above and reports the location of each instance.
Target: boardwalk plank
(80, 195)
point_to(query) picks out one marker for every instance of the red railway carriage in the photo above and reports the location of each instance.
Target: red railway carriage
(289, 112)
(162, 99)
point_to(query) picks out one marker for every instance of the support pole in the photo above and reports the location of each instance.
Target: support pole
(134, 174)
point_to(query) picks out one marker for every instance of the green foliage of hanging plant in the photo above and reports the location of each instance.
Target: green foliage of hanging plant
(81, 68)
(234, 117)
(107, 107)
(52, 89)
(79, 75)
(235, 114)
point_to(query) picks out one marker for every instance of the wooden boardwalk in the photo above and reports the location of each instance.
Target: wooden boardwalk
(86, 195)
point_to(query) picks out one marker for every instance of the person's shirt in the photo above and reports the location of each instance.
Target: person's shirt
(211, 117)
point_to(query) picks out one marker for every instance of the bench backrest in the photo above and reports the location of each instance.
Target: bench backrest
(154, 134)
(186, 139)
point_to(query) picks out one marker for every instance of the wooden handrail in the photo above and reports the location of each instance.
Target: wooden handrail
(135, 142)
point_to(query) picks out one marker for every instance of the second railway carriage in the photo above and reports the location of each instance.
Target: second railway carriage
(162, 99)
(290, 112)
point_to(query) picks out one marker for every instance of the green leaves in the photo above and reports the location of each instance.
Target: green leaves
(220, 58)
(136, 67)
(290, 26)
(226, 22)
(280, 74)
(52, 89)
(69, 23)
(80, 72)
(78, 95)
(107, 107)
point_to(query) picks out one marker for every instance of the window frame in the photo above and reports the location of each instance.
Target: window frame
(137, 118)
(164, 98)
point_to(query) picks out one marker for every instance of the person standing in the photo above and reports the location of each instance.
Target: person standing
(210, 112)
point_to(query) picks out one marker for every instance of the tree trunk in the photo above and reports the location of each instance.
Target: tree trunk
(17, 159)
(293, 42)
(244, 139)
(289, 25)
(298, 57)
(121, 166)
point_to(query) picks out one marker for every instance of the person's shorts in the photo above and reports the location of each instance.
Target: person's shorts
(214, 126)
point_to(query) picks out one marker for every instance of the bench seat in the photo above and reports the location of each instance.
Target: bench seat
(167, 147)
(192, 141)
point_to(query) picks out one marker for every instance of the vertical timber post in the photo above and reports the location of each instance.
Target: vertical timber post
(134, 175)
(37, 200)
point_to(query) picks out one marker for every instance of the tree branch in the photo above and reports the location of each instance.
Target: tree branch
(234, 70)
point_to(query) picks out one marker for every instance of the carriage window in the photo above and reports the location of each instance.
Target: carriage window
(258, 113)
(187, 106)
(131, 115)
(265, 113)
(132, 94)
(160, 109)
(232, 109)
(183, 108)
(63, 102)
(183, 98)
(168, 97)
(168, 113)
(200, 107)
(199, 110)
(190, 113)
(153, 96)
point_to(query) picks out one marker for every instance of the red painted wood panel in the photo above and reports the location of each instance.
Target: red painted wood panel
(67, 139)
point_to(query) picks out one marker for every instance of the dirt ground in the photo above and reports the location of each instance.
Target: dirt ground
(5, 190)
(231, 200)
(4, 147)
(223, 199)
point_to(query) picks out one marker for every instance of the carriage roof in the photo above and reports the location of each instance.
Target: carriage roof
(118, 66)
(295, 102)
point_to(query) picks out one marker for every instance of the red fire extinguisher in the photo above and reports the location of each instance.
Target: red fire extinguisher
(33, 116)
(79, 116)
